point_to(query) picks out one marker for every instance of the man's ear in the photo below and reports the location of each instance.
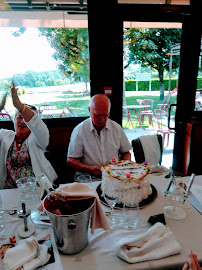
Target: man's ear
(89, 109)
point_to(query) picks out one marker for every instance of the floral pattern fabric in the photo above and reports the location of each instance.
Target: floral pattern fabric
(18, 165)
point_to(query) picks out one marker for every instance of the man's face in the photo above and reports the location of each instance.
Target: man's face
(21, 129)
(99, 115)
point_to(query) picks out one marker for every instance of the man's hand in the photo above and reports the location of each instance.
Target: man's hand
(193, 262)
(96, 171)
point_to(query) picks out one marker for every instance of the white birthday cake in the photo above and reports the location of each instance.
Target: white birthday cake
(132, 181)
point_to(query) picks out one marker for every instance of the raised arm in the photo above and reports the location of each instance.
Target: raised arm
(26, 113)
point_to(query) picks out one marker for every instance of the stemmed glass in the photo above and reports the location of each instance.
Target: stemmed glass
(111, 195)
(176, 192)
(2, 225)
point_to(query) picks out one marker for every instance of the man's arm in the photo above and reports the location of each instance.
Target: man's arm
(126, 156)
(81, 167)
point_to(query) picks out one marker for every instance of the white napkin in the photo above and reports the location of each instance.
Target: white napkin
(151, 148)
(159, 170)
(28, 254)
(158, 242)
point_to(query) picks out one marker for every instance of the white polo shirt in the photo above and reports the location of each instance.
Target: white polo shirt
(94, 150)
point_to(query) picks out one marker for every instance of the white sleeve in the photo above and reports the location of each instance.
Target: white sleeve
(40, 131)
(75, 149)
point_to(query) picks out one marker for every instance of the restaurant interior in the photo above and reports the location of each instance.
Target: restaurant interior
(105, 25)
(105, 21)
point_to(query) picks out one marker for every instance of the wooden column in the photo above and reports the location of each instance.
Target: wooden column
(190, 51)
(106, 52)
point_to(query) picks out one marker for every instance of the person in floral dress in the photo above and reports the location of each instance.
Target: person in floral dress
(22, 150)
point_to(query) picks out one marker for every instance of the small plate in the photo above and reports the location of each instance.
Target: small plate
(142, 204)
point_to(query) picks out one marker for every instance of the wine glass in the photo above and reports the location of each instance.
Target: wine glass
(176, 192)
(2, 225)
(111, 195)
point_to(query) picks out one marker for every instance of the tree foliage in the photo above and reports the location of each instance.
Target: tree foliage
(149, 47)
(71, 50)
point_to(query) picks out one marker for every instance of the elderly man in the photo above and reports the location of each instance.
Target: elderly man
(97, 140)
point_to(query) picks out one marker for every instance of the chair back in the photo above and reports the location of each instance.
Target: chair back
(139, 152)
(45, 107)
(140, 101)
(5, 117)
(148, 102)
(162, 118)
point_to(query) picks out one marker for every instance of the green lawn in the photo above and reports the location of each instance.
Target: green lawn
(77, 101)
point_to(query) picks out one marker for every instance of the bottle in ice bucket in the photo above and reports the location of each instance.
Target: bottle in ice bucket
(25, 224)
(46, 184)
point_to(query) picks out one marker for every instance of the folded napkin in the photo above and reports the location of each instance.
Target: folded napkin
(28, 254)
(158, 242)
(159, 170)
(76, 191)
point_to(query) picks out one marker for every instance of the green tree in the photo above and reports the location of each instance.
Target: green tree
(71, 50)
(150, 47)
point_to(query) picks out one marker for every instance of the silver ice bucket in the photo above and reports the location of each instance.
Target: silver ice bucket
(71, 229)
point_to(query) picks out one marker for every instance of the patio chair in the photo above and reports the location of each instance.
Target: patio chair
(45, 107)
(162, 122)
(148, 112)
(139, 153)
(145, 111)
(5, 117)
(165, 103)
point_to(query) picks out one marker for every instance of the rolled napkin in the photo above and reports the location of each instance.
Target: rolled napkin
(76, 191)
(158, 242)
(28, 254)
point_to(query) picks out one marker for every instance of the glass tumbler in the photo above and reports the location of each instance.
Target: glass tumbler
(131, 215)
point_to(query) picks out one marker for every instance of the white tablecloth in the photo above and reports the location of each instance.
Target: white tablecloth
(99, 254)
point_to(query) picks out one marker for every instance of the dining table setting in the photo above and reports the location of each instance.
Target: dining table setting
(154, 242)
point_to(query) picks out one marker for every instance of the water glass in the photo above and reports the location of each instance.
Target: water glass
(131, 215)
(28, 195)
(85, 179)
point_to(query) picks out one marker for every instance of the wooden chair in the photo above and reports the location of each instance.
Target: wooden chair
(5, 117)
(162, 122)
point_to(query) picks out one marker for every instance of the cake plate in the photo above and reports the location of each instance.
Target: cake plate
(142, 204)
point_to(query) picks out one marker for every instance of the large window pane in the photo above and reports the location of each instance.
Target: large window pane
(49, 66)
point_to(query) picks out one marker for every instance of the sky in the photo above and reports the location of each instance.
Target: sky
(27, 52)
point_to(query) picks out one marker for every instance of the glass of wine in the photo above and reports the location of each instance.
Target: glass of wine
(111, 196)
(176, 192)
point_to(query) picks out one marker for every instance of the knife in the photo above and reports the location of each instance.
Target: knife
(195, 202)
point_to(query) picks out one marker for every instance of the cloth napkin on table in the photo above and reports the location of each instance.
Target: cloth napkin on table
(28, 254)
(158, 242)
(76, 191)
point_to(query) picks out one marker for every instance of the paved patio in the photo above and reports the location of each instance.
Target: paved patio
(168, 150)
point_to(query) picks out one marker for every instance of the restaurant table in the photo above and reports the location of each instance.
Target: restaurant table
(99, 253)
(133, 108)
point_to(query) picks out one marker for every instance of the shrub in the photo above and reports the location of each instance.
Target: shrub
(130, 85)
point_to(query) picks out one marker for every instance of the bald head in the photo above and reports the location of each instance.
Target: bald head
(99, 100)
(99, 108)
